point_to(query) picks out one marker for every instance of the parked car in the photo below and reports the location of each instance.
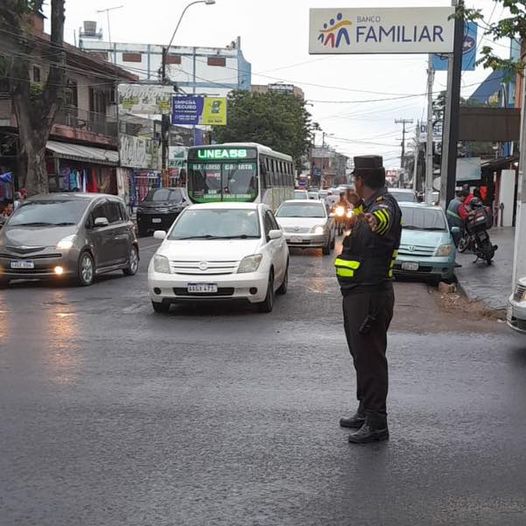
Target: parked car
(301, 194)
(427, 248)
(220, 251)
(307, 224)
(403, 195)
(517, 307)
(160, 209)
(74, 235)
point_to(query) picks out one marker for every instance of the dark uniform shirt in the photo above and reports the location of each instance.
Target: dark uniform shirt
(367, 259)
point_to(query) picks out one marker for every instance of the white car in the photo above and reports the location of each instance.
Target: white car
(307, 224)
(517, 307)
(220, 251)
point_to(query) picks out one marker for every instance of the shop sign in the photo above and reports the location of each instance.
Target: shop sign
(370, 30)
(469, 51)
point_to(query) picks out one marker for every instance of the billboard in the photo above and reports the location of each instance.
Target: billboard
(145, 99)
(192, 110)
(381, 30)
(469, 56)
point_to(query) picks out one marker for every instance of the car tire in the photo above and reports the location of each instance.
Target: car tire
(285, 285)
(161, 308)
(133, 262)
(267, 304)
(333, 243)
(85, 269)
(326, 250)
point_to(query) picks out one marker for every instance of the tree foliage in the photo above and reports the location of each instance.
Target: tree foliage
(35, 107)
(512, 26)
(277, 120)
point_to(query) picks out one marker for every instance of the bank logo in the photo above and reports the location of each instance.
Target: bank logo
(469, 44)
(335, 31)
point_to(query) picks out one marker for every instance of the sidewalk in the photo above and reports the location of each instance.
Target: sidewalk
(490, 284)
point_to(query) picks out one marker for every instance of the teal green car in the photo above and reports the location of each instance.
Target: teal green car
(427, 249)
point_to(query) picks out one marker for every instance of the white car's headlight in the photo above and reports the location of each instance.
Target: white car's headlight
(249, 264)
(318, 229)
(444, 250)
(161, 264)
(66, 243)
(519, 294)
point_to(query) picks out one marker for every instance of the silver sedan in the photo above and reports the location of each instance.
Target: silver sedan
(307, 224)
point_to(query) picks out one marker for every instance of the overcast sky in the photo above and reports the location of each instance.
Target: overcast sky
(274, 39)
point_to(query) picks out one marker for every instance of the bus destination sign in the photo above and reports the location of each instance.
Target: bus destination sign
(223, 154)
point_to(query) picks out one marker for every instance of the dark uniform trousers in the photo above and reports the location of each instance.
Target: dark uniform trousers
(368, 342)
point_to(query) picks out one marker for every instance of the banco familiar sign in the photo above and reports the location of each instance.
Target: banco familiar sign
(381, 30)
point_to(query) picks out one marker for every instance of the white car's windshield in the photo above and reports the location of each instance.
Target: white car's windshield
(217, 224)
(414, 218)
(301, 210)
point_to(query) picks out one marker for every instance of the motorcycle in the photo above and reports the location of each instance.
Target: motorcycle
(476, 237)
(342, 215)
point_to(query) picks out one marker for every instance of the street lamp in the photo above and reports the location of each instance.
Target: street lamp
(165, 129)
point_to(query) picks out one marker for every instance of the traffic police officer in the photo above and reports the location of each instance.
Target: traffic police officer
(365, 271)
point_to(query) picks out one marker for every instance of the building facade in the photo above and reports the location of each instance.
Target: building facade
(195, 70)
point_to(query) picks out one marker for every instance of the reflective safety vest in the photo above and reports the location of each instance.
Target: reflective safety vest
(368, 258)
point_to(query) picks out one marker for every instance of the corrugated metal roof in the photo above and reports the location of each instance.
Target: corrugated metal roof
(76, 152)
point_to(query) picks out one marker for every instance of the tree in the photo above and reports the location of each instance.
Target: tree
(277, 120)
(513, 26)
(35, 107)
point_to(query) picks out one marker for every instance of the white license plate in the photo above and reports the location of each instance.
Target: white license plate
(156, 220)
(23, 264)
(296, 240)
(202, 288)
(408, 265)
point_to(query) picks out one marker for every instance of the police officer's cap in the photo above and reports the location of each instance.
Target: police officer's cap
(368, 162)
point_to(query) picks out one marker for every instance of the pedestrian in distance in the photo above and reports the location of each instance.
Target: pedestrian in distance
(365, 272)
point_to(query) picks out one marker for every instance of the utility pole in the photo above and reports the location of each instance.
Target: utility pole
(404, 123)
(417, 155)
(451, 116)
(429, 145)
(519, 261)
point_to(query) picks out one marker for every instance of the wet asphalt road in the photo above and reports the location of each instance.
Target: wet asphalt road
(111, 415)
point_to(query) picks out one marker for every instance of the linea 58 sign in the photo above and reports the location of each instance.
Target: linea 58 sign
(381, 30)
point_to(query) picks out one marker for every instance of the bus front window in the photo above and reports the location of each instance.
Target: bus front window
(209, 182)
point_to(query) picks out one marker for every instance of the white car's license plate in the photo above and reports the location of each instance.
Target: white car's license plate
(409, 265)
(22, 264)
(156, 220)
(202, 288)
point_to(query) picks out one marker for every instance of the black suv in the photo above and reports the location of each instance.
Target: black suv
(159, 209)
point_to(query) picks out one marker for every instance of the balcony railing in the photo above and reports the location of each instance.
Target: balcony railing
(87, 121)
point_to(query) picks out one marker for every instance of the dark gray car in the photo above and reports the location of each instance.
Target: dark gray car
(63, 236)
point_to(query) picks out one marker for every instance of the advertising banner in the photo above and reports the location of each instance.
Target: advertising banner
(198, 110)
(145, 99)
(469, 57)
(372, 30)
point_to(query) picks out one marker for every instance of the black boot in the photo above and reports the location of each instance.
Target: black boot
(355, 421)
(373, 430)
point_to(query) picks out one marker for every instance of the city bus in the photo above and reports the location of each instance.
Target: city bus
(240, 172)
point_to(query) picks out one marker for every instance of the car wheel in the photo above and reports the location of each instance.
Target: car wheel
(161, 308)
(333, 243)
(268, 303)
(326, 250)
(133, 262)
(86, 270)
(285, 285)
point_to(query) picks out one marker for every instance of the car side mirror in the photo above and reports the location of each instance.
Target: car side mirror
(275, 234)
(101, 222)
(332, 214)
(159, 234)
(455, 230)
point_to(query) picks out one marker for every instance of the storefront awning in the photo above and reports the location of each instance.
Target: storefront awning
(76, 152)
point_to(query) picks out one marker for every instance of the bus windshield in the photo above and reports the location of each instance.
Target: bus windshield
(222, 181)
